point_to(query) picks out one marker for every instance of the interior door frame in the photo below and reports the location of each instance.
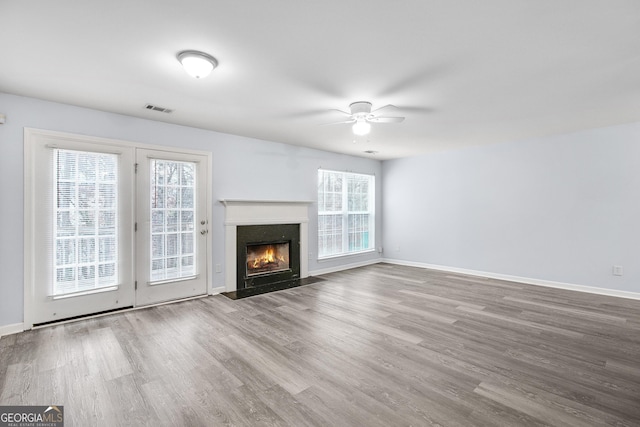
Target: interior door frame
(30, 134)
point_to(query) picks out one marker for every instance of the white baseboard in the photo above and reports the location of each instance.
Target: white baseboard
(518, 279)
(218, 290)
(344, 267)
(11, 329)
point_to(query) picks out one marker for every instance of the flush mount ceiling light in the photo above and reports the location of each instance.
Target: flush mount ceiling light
(197, 64)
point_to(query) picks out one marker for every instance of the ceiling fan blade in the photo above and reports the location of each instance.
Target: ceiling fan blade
(340, 111)
(410, 109)
(384, 107)
(386, 119)
(340, 122)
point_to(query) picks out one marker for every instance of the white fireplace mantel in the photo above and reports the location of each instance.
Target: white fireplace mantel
(259, 212)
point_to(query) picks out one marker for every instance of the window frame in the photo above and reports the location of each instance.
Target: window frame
(344, 214)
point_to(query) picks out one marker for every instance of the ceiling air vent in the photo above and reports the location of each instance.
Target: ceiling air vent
(156, 108)
(371, 152)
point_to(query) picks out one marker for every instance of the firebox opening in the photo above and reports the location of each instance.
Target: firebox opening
(267, 258)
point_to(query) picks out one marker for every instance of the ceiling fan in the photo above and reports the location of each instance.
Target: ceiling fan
(362, 116)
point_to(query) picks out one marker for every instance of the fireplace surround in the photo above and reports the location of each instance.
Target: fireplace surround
(240, 214)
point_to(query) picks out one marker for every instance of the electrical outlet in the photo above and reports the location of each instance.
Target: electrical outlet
(218, 268)
(617, 270)
(310, 255)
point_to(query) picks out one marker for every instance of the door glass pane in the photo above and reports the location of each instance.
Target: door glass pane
(173, 226)
(85, 221)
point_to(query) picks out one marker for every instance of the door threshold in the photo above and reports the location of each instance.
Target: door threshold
(110, 312)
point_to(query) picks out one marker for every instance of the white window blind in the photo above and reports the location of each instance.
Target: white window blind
(173, 222)
(346, 213)
(85, 223)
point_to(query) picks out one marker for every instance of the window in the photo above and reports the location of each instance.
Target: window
(346, 213)
(173, 221)
(85, 221)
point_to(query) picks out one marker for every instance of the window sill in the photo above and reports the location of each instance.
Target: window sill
(345, 255)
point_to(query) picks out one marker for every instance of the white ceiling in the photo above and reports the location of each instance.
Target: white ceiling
(462, 72)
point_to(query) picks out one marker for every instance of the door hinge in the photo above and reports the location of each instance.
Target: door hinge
(135, 168)
(135, 227)
(135, 285)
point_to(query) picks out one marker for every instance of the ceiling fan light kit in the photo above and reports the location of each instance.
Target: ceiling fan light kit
(197, 64)
(361, 127)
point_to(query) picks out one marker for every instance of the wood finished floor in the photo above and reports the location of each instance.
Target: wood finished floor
(381, 345)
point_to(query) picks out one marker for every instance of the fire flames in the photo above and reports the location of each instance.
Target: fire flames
(267, 257)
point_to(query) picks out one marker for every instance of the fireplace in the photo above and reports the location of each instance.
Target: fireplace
(267, 255)
(279, 227)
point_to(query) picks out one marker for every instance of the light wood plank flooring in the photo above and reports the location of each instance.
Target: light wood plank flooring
(381, 345)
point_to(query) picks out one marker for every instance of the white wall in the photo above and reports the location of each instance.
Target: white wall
(564, 208)
(243, 168)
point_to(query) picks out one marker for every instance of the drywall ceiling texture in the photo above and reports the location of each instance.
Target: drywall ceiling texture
(564, 208)
(243, 168)
(462, 72)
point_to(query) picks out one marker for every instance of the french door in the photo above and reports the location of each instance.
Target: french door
(109, 226)
(172, 226)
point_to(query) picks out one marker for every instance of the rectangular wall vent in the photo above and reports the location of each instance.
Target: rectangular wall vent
(156, 108)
